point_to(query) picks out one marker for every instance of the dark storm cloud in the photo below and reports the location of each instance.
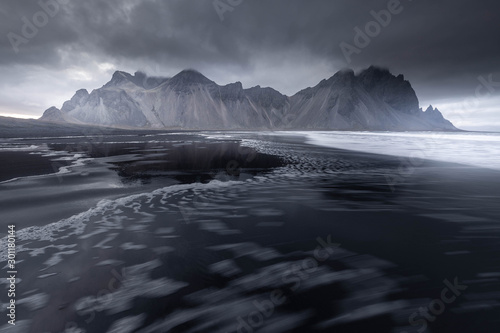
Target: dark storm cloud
(441, 46)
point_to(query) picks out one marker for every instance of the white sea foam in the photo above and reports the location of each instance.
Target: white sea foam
(60, 157)
(470, 148)
(17, 147)
(107, 210)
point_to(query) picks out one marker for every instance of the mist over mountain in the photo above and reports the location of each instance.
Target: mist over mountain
(373, 99)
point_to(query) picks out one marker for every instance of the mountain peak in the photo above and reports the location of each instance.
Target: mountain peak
(139, 78)
(435, 116)
(345, 72)
(343, 76)
(118, 78)
(434, 112)
(190, 71)
(53, 114)
(82, 92)
(189, 76)
(375, 72)
(52, 109)
(120, 75)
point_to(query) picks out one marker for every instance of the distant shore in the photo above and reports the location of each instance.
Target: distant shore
(35, 128)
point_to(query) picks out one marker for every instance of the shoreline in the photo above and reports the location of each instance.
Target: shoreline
(26, 164)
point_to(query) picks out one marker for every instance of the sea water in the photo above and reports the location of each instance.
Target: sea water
(480, 149)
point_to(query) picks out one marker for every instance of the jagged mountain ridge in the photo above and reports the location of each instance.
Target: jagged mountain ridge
(372, 100)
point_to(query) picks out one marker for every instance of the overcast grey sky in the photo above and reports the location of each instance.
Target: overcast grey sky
(448, 49)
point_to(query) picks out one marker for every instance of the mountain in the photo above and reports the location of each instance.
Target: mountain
(374, 99)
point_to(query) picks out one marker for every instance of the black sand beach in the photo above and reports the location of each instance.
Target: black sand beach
(188, 233)
(16, 164)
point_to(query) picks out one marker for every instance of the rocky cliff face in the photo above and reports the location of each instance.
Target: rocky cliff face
(372, 100)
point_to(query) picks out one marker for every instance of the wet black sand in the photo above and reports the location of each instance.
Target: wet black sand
(198, 258)
(22, 164)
